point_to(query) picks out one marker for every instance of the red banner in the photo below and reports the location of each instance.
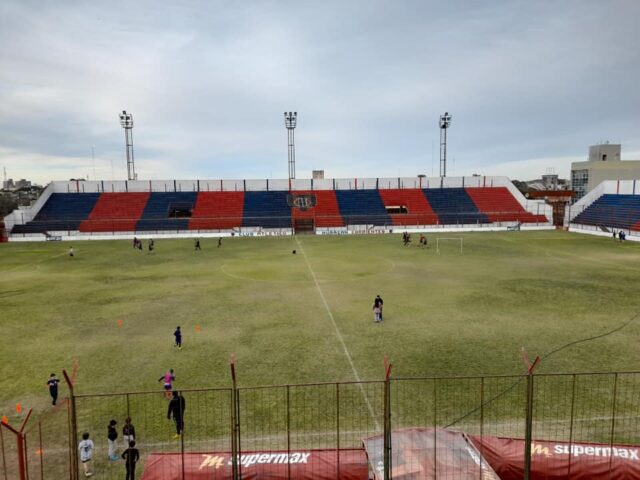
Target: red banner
(274, 465)
(559, 460)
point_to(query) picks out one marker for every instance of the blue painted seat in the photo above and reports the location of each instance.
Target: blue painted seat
(266, 209)
(156, 214)
(62, 211)
(618, 211)
(454, 206)
(362, 207)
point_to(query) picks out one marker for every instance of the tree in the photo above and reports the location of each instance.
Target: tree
(7, 204)
(522, 186)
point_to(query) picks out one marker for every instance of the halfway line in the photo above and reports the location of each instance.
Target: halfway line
(335, 326)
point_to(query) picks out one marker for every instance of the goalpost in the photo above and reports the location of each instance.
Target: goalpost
(454, 239)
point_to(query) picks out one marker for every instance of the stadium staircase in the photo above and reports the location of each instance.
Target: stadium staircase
(419, 212)
(266, 209)
(617, 211)
(217, 210)
(362, 207)
(326, 212)
(454, 206)
(156, 215)
(116, 212)
(500, 206)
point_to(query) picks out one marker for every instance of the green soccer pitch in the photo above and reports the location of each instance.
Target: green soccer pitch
(307, 317)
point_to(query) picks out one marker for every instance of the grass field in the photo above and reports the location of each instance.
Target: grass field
(307, 317)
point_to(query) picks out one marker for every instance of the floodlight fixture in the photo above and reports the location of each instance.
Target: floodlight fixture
(126, 121)
(445, 123)
(290, 122)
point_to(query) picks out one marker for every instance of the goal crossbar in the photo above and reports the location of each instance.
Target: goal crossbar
(457, 239)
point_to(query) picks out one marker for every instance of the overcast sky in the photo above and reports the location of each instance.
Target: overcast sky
(530, 85)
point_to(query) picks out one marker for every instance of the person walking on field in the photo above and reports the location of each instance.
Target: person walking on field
(197, 244)
(168, 379)
(131, 456)
(53, 388)
(376, 314)
(176, 410)
(86, 453)
(378, 303)
(112, 436)
(128, 431)
(178, 335)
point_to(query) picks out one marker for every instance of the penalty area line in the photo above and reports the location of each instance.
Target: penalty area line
(339, 335)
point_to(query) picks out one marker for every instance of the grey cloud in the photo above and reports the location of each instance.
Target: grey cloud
(208, 82)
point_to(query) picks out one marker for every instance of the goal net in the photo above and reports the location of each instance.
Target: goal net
(456, 242)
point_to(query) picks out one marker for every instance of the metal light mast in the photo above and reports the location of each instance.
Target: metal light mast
(445, 122)
(126, 120)
(290, 119)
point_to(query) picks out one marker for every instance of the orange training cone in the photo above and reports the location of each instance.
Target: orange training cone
(119, 323)
(18, 408)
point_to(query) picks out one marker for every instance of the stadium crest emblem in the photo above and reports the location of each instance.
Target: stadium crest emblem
(301, 202)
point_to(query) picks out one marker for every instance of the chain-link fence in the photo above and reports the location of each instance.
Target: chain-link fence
(318, 430)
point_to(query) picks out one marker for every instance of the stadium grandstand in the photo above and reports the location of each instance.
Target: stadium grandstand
(611, 206)
(83, 209)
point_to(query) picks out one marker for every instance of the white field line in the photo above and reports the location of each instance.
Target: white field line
(339, 335)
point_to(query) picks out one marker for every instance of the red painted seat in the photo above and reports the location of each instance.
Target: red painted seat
(419, 211)
(115, 212)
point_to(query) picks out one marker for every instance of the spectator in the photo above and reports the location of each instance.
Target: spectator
(128, 431)
(176, 410)
(86, 453)
(112, 436)
(131, 456)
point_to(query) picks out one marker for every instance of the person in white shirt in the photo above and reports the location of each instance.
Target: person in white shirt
(86, 453)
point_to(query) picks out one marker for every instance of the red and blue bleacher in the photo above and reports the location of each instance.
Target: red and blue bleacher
(217, 211)
(115, 212)
(615, 211)
(61, 212)
(223, 210)
(326, 212)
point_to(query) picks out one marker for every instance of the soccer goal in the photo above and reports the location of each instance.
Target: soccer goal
(455, 240)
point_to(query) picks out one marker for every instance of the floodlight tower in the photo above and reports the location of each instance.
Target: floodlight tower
(126, 120)
(445, 122)
(290, 119)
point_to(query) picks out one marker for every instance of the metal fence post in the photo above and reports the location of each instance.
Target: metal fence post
(73, 423)
(4, 461)
(481, 424)
(573, 407)
(288, 436)
(529, 415)
(41, 451)
(613, 417)
(387, 419)
(338, 427)
(235, 421)
(435, 425)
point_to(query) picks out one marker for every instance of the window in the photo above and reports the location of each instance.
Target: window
(579, 183)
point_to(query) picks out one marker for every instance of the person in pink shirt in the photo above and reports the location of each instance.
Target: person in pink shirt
(168, 379)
